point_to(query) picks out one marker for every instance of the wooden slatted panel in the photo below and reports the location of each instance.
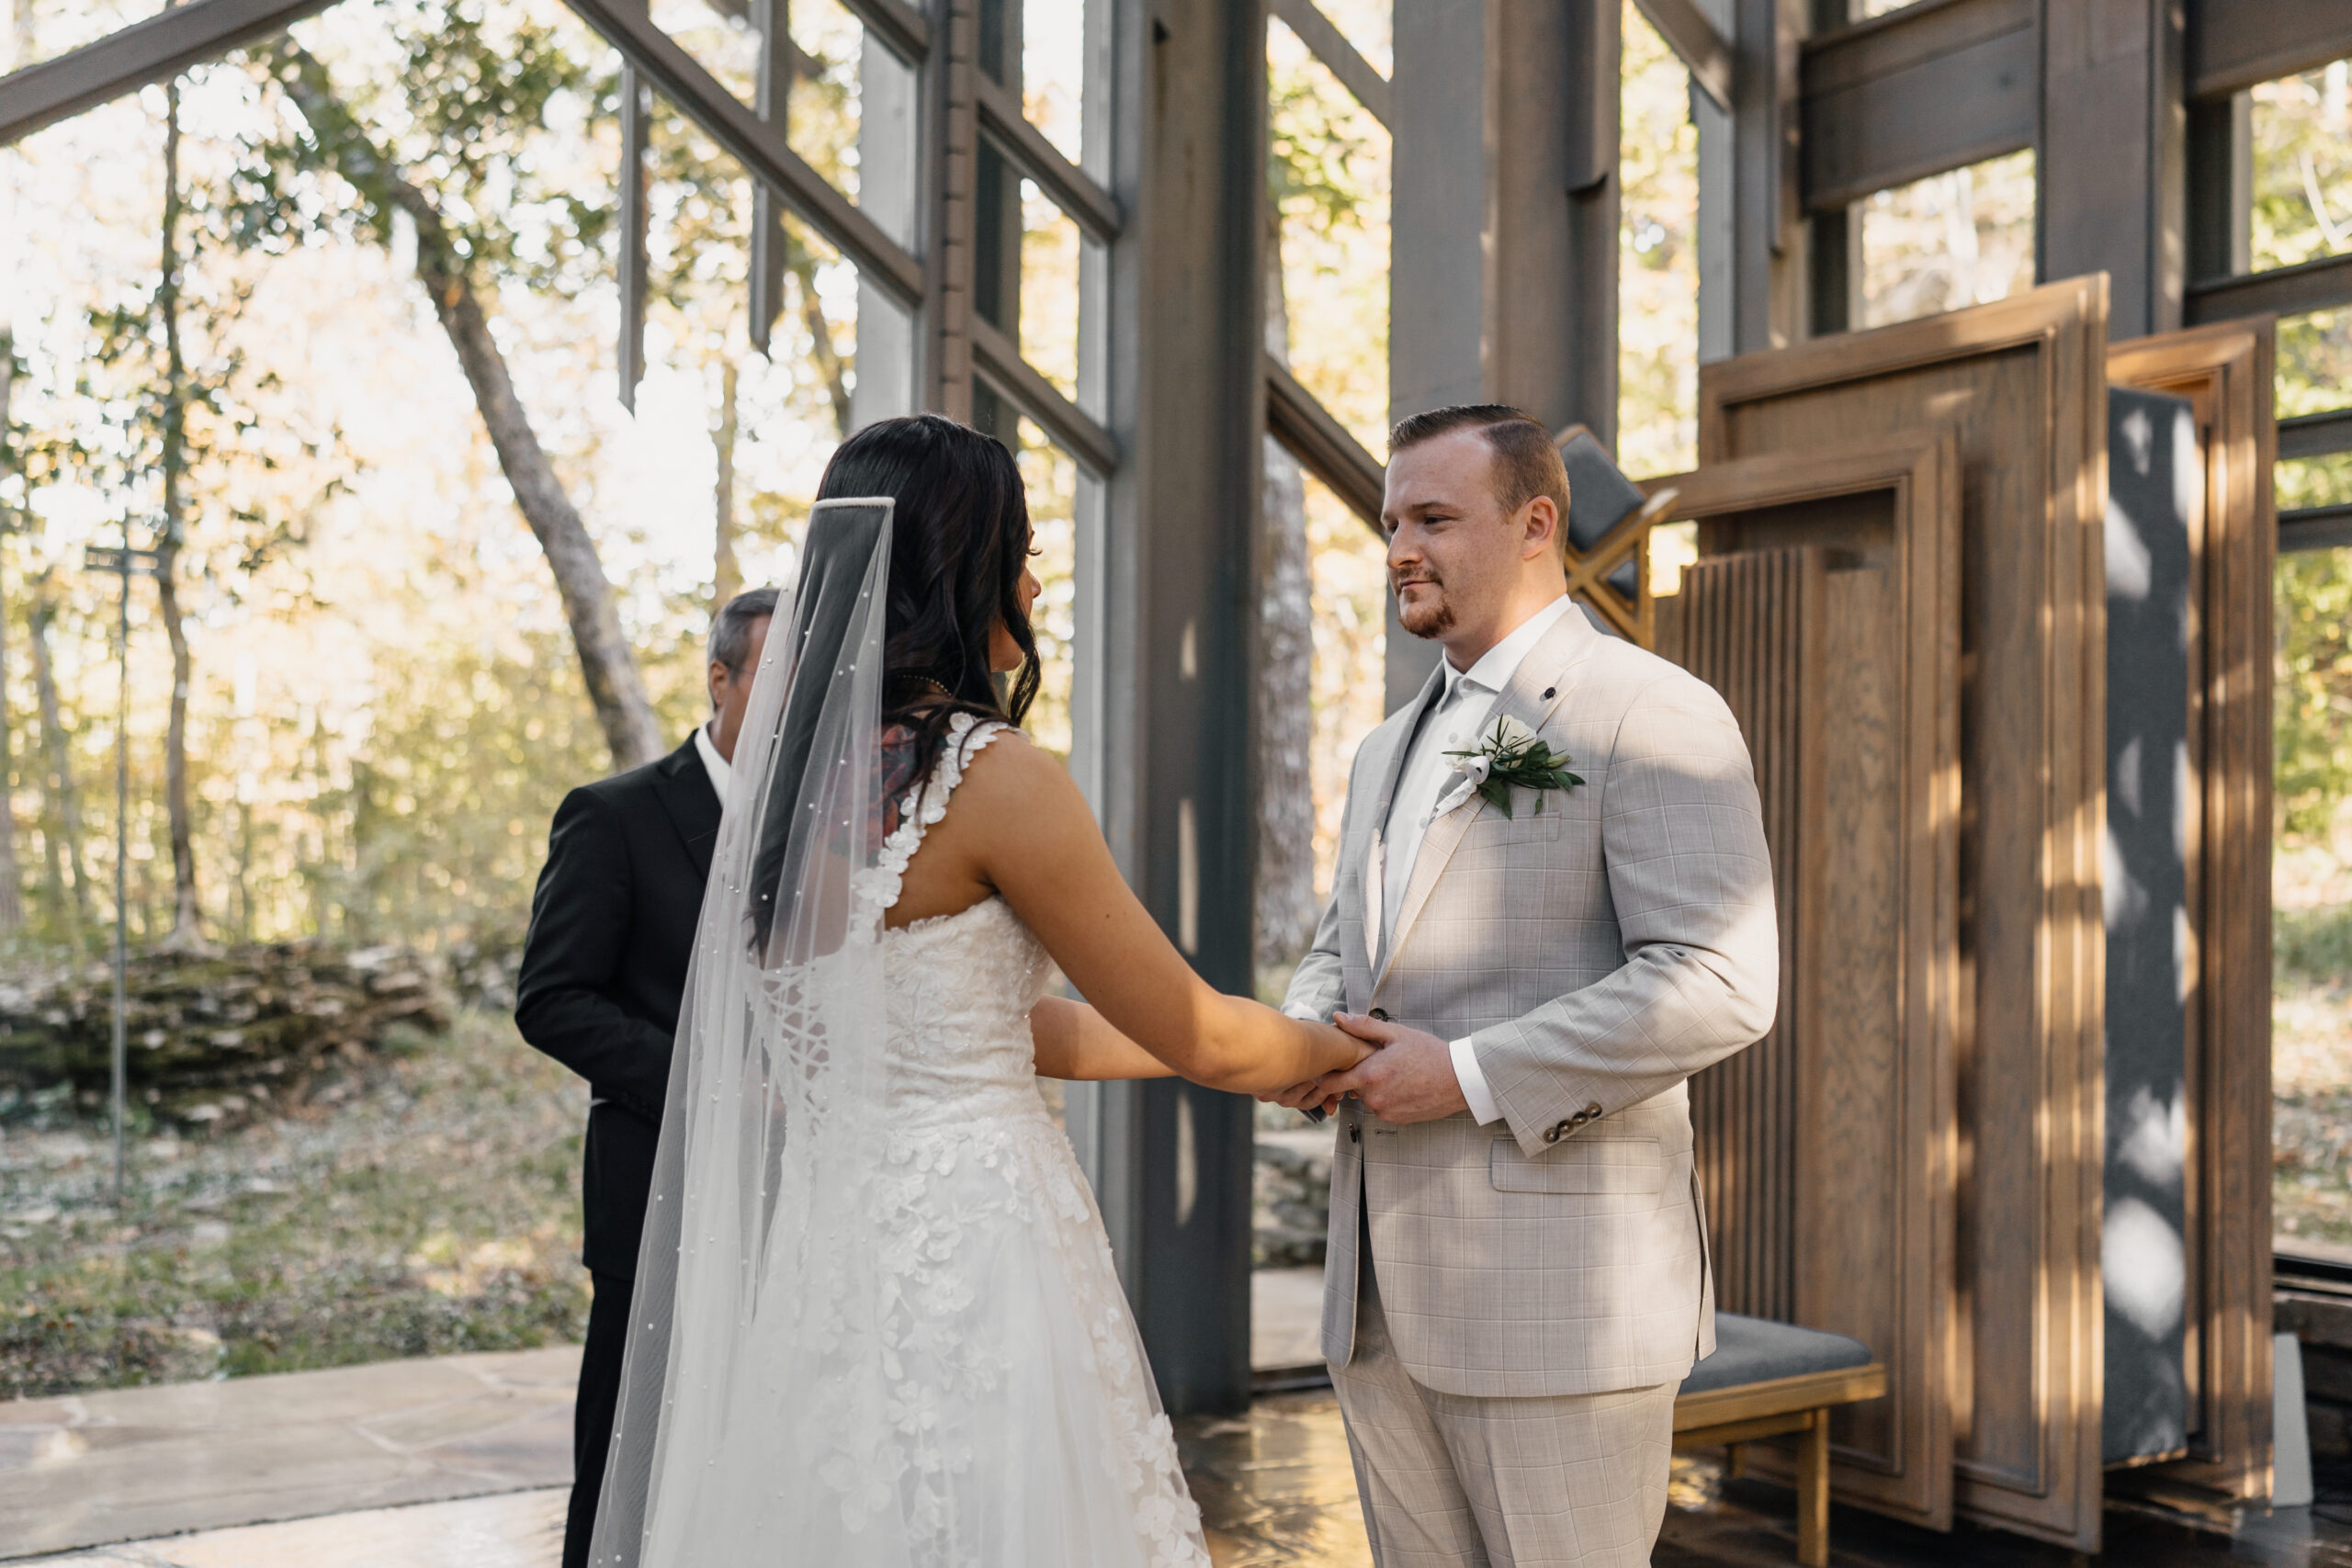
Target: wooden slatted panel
(1738, 625)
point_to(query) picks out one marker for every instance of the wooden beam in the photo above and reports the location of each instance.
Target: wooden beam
(1754, 1429)
(1358, 75)
(1072, 429)
(1931, 88)
(760, 147)
(2111, 168)
(2315, 434)
(2315, 527)
(129, 59)
(2282, 291)
(906, 30)
(1703, 51)
(1297, 418)
(632, 261)
(1778, 1397)
(1072, 188)
(2234, 44)
(770, 20)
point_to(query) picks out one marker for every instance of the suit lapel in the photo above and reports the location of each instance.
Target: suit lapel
(1538, 687)
(1373, 845)
(683, 789)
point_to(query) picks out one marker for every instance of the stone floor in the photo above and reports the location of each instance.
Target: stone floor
(460, 1462)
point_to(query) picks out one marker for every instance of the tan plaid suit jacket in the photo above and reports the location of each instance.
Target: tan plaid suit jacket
(1597, 952)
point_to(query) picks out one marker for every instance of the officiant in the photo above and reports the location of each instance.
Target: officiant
(603, 967)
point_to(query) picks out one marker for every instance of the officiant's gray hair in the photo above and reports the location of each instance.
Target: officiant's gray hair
(731, 629)
(1527, 462)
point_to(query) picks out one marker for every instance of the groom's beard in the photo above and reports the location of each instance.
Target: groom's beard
(1428, 617)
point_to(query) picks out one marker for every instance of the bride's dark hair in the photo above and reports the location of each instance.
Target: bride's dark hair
(959, 539)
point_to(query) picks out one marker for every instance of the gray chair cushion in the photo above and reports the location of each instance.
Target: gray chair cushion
(1754, 1350)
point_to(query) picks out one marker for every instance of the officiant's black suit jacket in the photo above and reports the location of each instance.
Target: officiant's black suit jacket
(604, 968)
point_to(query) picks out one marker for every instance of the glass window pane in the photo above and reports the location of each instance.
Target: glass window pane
(827, 103)
(2302, 168)
(1053, 72)
(1951, 240)
(2314, 363)
(2312, 898)
(1657, 352)
(1050, 301)
(1050, 477)
(1328, 168)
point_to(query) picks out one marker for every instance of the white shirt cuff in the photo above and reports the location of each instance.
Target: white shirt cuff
(1474, 1082)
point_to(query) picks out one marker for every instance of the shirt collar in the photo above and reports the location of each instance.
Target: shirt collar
(721, 775)
(1495, 666)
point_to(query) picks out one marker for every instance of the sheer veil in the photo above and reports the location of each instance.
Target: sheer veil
(753, 1392)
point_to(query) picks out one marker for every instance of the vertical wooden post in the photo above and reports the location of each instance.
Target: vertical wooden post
(1813, 1491)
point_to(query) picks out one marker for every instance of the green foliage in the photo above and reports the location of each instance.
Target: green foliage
(2312, 946)
(2314, 690)
(1313, 148)
(445, 819)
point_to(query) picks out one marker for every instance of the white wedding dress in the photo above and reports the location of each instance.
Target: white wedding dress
(875, 1323)
(1024, 1431)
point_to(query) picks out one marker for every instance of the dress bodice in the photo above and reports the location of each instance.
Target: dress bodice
(960, 985)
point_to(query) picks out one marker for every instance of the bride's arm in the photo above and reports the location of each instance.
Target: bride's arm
(1076, 1043)
(1024, 829)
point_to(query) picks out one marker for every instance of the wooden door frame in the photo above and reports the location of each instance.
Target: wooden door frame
(2226, 371)
(1924, 476)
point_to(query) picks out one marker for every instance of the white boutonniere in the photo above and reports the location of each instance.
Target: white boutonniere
(1512, 755)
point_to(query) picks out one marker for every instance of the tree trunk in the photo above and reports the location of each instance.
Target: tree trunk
(803, 267)
(1286, 678)
(64, 797)
(185, 933)
(727, 573)
(606, 662)
(12, 907)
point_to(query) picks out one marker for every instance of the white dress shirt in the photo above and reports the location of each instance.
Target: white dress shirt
(1455, 723)
(722, 776)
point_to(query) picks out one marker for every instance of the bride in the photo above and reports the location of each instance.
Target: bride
(877, 1321)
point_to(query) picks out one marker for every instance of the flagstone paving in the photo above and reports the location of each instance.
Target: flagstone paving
(132, 1463)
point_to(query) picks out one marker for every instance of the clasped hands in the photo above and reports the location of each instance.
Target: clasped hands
(1408, 1076)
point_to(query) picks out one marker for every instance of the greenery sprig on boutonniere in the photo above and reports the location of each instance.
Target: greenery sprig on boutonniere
(1514, 755)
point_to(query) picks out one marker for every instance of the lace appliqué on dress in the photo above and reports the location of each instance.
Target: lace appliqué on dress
(876, 888)
(998, 1297)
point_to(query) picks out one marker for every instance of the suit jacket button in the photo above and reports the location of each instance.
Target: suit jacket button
(1355, 1136)
(1553, 1134)
(1593, 1111)
(1381, 1013)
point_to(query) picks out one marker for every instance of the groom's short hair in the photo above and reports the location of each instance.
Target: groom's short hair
(1527, 464)
(731, 629)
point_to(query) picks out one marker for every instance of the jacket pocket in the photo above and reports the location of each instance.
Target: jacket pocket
(1582, 1165)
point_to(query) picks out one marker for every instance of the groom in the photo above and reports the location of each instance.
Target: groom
(1518, 1272)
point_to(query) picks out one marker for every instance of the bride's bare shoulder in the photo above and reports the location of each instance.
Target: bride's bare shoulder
(1012, 771)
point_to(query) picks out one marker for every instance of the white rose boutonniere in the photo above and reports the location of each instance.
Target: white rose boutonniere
(1514, 755)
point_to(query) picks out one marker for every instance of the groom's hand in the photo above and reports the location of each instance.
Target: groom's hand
(1410, 1078)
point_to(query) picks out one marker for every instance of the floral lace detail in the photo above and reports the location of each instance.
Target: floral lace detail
(1008, 1356)
(877, 888)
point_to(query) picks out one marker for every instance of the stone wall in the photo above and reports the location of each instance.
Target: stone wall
(1293, 1197)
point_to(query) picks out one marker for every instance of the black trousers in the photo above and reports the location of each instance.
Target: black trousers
(592, 1413)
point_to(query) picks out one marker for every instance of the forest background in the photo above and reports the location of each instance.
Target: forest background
(330, 326)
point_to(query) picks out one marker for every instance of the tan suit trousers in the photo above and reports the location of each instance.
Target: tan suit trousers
(1457, 1480)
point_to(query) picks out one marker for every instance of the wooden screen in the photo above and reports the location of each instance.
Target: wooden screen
(1825, 609)
(2225, 372)
(2021, 385)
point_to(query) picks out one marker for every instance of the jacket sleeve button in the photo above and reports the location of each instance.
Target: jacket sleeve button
(1381, 1013)
(1593, 1111)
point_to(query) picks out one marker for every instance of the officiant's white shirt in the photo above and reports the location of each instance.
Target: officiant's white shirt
(1455, 723)
(722, 775)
